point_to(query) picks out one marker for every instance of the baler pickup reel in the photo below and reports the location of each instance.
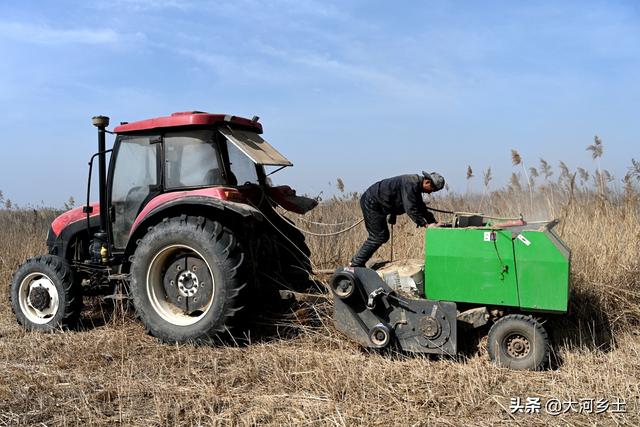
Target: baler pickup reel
(371, 313)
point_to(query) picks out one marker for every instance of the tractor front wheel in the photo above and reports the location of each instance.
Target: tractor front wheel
(186, 277)
(517, 341)
(45, 295)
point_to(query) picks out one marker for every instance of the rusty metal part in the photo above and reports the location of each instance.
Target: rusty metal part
(475, 317)
(518, 346)
(39, 297)
(430, 327)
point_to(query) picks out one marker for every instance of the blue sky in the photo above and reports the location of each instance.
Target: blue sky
(359, 90)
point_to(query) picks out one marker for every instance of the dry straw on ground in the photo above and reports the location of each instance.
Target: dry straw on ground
(304, 373)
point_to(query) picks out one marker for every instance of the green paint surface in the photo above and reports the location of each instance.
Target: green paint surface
(543, 272)
(461, 266)
(495, 267)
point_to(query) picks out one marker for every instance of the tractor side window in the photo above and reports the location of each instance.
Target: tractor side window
(134, 176)
(191, 160)
(242, 167)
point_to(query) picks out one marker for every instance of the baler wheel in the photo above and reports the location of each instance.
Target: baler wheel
(45, 295)
(517, 341)
(186, 277)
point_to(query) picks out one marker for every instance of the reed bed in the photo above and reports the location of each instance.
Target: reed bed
(303, 372)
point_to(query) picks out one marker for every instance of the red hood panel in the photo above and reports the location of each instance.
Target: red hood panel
(74, 215)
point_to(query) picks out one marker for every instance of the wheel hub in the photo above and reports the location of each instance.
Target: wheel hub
(188, 283)
(518, 346)
(430, 327)
(39, 298)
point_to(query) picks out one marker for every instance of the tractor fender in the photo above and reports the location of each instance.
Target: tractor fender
(69, 225)
(157, 205)
(59, 240)
(61, 222)
(155, 211)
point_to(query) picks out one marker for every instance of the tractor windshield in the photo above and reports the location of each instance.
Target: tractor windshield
(191, 160)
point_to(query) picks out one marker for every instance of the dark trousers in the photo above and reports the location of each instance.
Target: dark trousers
(376, 223)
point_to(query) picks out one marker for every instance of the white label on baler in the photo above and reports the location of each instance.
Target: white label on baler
(489, 236)
(523, 239)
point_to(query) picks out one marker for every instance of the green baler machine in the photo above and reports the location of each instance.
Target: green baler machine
(511, 276)
(526, 269)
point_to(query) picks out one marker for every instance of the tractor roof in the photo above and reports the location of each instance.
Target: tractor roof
(188, 118)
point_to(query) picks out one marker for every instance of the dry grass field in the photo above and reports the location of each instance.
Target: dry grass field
(303, 372)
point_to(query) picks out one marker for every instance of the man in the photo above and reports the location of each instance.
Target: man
(394, 196)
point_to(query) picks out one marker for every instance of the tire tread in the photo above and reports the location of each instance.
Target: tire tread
(235, 281)
(531, 321)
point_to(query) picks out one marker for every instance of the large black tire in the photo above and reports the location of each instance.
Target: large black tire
(517, 341)
(45, 295)
(165, 289)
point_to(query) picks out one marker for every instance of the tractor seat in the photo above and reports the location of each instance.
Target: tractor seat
(213, 177)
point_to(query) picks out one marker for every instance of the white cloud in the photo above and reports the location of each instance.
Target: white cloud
(42, 34)
(144, 5)
(236, 68)
(371, 76)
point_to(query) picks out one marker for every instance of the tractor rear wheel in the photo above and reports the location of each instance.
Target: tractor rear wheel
(45, 295)
(186, 278)
(517, 341)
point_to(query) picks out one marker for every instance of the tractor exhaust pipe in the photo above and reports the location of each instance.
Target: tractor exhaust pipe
(101, 122)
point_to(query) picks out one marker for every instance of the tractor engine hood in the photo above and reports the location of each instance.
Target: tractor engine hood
(71, 216)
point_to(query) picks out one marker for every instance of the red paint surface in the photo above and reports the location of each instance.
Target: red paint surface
(186, 118)
(285, 196)
(74, 215)
(222, 193)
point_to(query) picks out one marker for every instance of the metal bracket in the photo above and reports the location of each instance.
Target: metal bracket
(116, 297)
(371, 302)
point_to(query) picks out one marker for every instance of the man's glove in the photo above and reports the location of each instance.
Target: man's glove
(391, 219)
(430, 218)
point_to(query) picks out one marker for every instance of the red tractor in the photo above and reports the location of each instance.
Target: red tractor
(186, 220)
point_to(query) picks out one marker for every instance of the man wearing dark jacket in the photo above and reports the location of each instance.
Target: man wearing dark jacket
(394, 196)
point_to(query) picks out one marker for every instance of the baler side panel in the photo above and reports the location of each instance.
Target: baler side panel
(543, 272)
(462, 266)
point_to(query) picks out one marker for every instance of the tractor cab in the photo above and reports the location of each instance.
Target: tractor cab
(181, 153)
(186, 162)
